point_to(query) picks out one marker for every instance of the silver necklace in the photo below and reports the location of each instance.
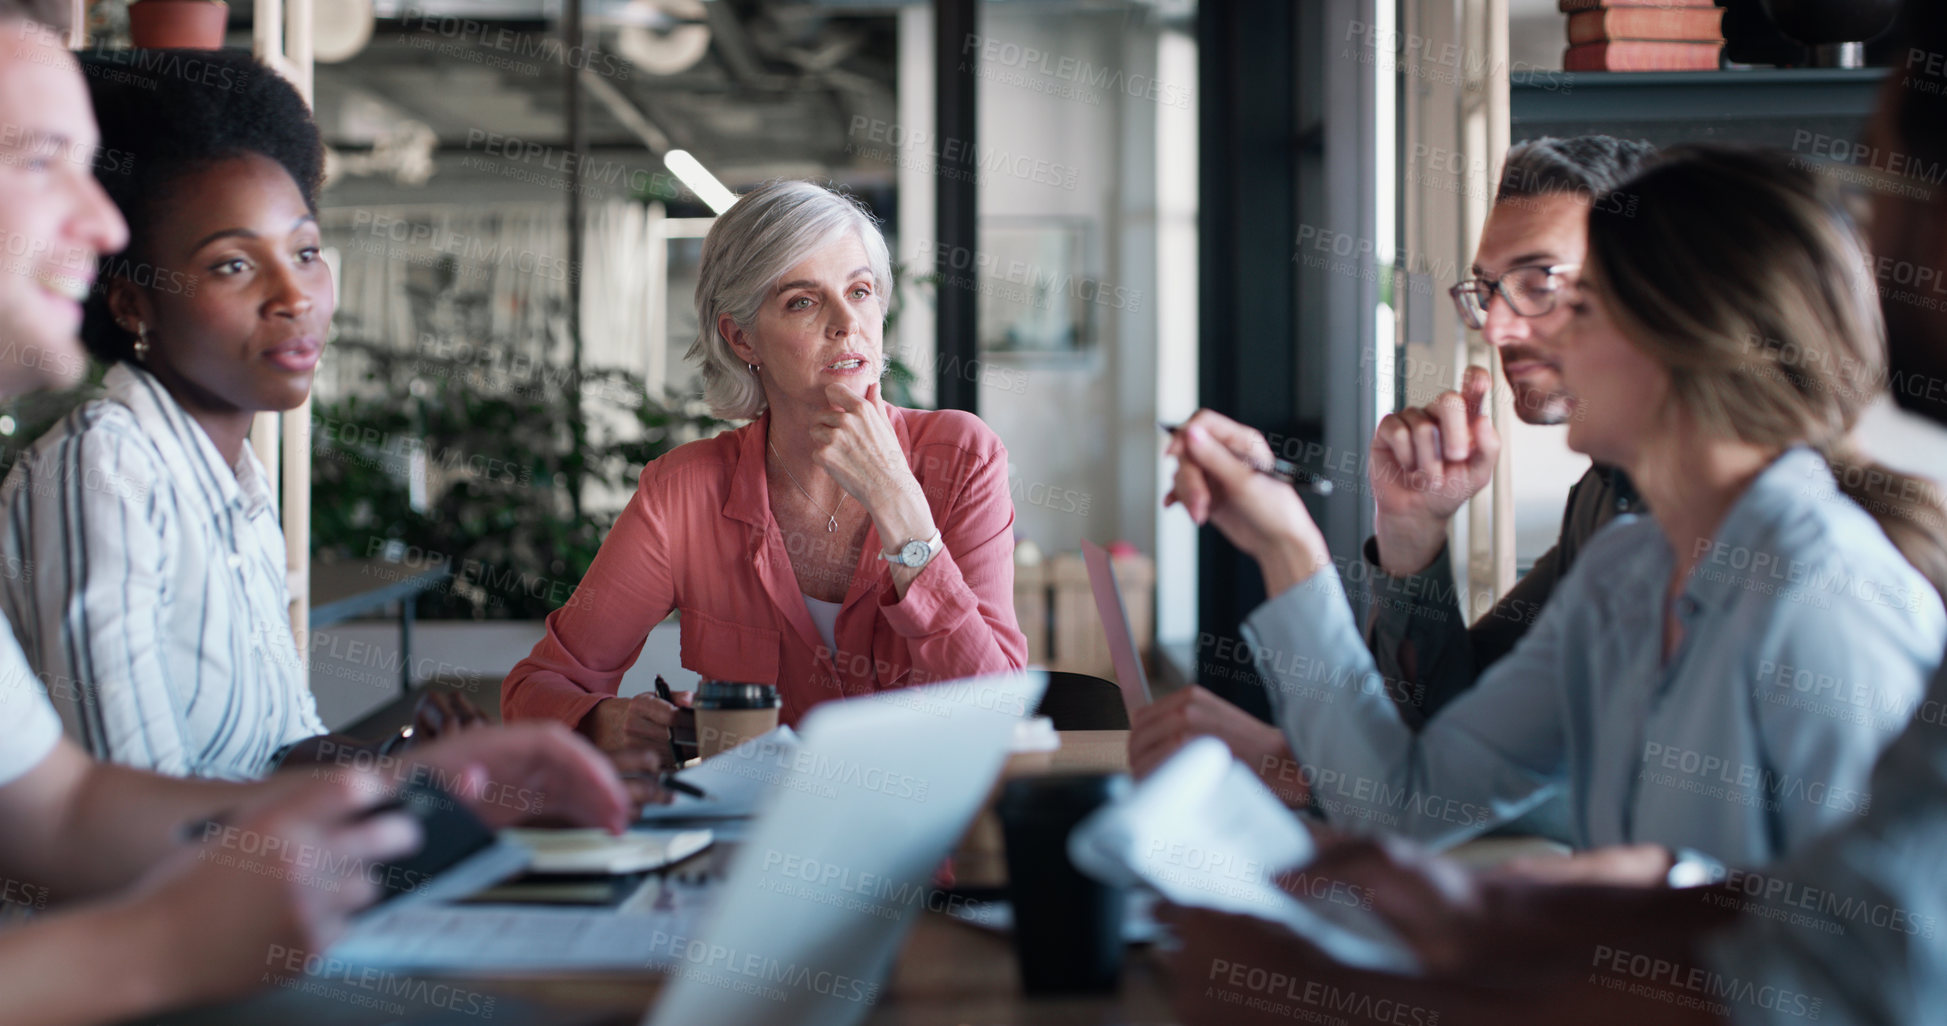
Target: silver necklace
(831, 519)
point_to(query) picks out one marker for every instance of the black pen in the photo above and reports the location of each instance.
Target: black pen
(197, 830)
(668, 782)
(663, 692)
(1284, 470)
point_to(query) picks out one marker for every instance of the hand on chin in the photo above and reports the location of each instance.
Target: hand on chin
(840, 395)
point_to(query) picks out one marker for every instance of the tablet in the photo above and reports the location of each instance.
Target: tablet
(458, 855)
(1129, 674)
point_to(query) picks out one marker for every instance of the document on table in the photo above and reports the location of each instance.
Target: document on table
(1203, 831)
(493, 939)
(738, 781)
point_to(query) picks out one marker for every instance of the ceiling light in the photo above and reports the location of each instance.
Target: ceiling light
(700, 180)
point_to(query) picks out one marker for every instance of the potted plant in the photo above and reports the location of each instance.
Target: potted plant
(178, 24)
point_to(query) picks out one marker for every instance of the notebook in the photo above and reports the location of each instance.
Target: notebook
(586, 852)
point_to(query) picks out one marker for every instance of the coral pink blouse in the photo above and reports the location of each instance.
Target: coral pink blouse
(698, 538)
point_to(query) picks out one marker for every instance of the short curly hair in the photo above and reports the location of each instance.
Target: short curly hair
(165, 114)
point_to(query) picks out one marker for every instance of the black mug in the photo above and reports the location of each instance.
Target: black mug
(1067, 927)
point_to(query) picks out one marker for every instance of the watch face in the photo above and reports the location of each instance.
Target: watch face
(914, 553)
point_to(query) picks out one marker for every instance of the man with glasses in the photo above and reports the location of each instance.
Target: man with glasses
(1852, 928)
(1426, 462)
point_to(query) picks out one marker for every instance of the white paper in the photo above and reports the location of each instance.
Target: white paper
(738, 781)
(1206, 833)
(503, 939)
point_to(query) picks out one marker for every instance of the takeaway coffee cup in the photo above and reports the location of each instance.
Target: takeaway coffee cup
(1067, 927)
(728, 714)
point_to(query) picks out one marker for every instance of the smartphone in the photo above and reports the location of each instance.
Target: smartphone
(458, 854)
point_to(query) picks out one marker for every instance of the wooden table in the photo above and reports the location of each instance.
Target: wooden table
(1080, 750)
(948, 973)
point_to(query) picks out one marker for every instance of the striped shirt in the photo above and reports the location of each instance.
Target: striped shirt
(28, 726)
(156, 612)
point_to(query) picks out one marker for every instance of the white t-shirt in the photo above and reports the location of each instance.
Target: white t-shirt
(824, 616)
(28, 726)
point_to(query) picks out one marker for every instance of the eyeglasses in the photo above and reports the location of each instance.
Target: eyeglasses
(1529, 291)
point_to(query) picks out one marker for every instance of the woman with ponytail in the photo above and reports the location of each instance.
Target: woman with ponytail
(1717, 679)
(1768, 324)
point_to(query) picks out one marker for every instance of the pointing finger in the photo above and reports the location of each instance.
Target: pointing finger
(1474, 386)
(1449, 411)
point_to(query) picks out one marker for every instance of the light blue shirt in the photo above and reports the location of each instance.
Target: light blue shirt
(1855, 924)
(1807, 643)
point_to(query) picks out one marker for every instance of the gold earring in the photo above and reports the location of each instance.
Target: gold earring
(141, 340)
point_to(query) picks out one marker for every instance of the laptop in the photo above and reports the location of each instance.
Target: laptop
(1129, 674)
(842, 856)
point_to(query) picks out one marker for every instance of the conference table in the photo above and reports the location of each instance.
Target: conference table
(948, 973)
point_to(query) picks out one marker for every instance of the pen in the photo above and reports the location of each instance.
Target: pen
(1284, 470)
(196, 830)
(662, 692)
(668, 781)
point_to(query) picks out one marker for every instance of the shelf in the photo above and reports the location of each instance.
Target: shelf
(1763, 105)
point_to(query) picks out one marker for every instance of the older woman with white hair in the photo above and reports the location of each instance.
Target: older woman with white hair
(836, 545)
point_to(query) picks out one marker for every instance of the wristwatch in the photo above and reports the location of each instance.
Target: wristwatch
(1692, 868)
(916, 553)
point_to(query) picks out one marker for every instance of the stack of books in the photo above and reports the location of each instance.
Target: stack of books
(1642, 35)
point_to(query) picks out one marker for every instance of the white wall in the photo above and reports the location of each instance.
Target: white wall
(1176, 313)
(1537, 35)
(1080, 431)
(1544, 469)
